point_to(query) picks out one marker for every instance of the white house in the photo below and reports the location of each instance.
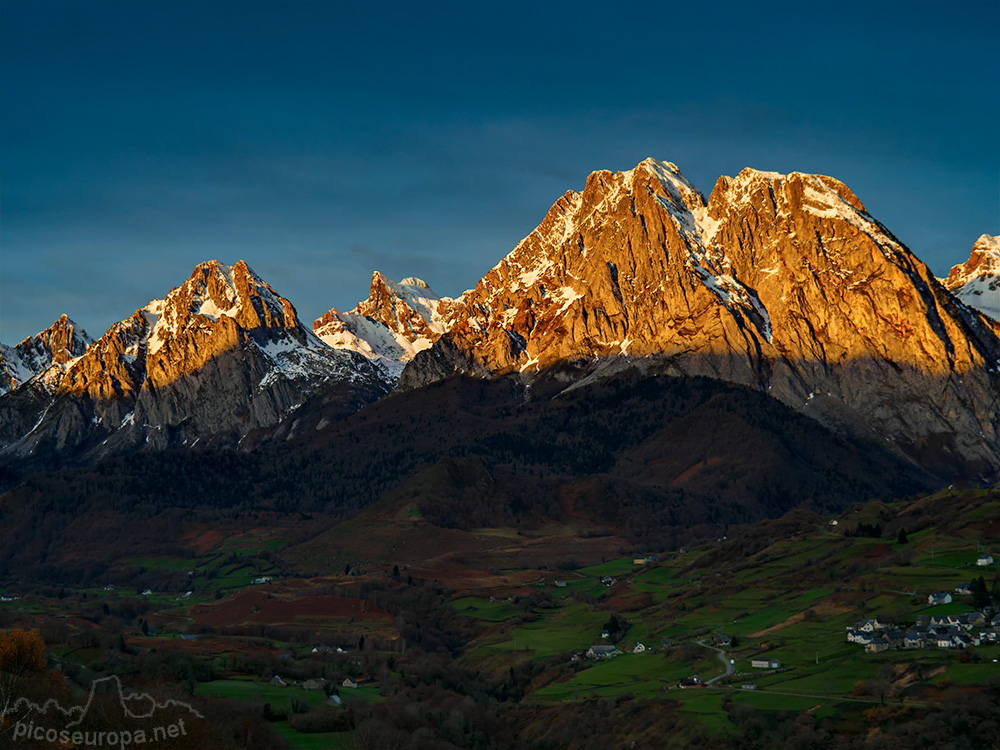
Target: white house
(939, 598)
(858, 636)
(639, 648)
(984, 559)
(944, 641)
(762, 663)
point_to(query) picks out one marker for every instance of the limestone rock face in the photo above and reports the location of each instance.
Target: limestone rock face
(389, 327)
(783, 283)
(221, 355)
(977, 281)
(57, 345)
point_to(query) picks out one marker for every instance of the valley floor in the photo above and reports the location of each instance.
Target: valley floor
(740, 642)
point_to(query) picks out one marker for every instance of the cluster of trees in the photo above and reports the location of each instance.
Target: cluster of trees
(982, 596)
(864, 529)
(632, 437)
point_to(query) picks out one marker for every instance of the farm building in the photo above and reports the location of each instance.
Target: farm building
(602, 653)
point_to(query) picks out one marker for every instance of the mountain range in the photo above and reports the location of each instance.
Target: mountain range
(783, 284)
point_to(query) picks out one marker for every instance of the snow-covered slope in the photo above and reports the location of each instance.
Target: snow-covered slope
(977, 281)
(396, 321)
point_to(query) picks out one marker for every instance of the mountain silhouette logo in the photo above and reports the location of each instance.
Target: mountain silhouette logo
(109, 718)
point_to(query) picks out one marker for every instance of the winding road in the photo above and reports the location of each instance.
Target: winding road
(730, 669)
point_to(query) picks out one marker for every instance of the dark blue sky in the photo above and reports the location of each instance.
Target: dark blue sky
(320, 141)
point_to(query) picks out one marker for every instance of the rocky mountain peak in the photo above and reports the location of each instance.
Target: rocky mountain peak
(977, 281)
(220, 355)
(782, 282)
(64, 340)
(218, 308)
(389, 327)
(58, 344)
(408, 308)
(215, 291)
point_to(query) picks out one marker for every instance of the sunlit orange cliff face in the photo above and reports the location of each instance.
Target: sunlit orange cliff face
(780, 282)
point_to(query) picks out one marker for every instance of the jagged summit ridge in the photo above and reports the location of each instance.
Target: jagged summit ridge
(977, 281)
(657, 236)
(782, 282)
(44, 356)
(216, 290)
(396, 321)
(220, 355)
(218, 308)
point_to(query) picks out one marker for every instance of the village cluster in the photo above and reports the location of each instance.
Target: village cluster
(930, 631)
(971, 628)
(320, 683)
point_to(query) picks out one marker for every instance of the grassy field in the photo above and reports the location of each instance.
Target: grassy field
(660, 575)
(232, 566)
(574, 627)
(474, 606)
(976, 673)
(364, 693)
(318, 741)
(785, 603)
(613, 568)
(778, 702)
(827, 678)
(644, 675)
(259, 692)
